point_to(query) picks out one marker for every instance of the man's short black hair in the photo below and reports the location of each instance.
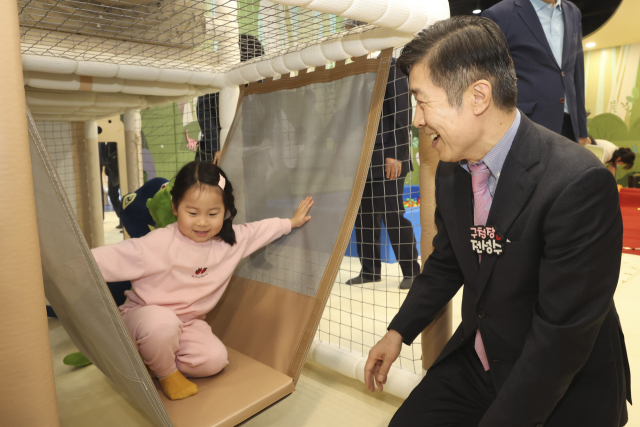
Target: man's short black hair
(460, 51)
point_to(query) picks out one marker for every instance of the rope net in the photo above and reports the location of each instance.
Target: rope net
(192, 35)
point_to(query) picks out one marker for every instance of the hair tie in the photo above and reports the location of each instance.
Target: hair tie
(222, 182)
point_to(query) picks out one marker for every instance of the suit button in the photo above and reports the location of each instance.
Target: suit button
(481, 314)
(561, 100)
(563, 74)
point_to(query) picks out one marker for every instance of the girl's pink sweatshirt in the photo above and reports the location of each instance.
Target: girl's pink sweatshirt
(168, 269)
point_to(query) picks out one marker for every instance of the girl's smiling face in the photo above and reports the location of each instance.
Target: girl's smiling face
(200, 213)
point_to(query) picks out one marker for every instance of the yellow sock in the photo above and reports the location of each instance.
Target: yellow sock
(177, 387)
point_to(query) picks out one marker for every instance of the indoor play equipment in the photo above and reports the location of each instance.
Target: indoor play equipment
(76, 73)
(268, 323)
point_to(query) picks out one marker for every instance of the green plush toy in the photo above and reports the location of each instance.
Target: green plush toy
(76, 359)
(160, 207)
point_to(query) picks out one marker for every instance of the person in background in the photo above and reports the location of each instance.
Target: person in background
(109, 161)
(207, 111)
(614, 156)
(545, 41)
(384, 188)
(208, 107)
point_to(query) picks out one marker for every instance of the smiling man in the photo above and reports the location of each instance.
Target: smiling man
(529, 223)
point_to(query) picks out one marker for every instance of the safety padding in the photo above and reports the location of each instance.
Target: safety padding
(244, 388)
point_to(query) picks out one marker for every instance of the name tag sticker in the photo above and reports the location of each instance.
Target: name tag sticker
(486, 241)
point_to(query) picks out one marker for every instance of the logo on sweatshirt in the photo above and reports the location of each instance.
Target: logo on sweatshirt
(201, 272)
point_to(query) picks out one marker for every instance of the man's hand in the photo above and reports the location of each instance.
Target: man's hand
(216, 157)
(584, 141)
(381, 356)
(392, 167)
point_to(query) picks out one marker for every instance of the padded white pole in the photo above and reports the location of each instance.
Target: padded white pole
(133, 143)
(228, 104)
(94, 183)
(407, 16)
(400, 382)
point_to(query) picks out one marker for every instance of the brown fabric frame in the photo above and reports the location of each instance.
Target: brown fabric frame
(237, 311)
(362, 65)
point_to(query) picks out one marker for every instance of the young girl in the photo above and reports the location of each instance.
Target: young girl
(180, 272)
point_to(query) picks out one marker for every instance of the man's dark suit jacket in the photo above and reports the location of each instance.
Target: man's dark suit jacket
(393, 137)
(545, 305)
(542, 82)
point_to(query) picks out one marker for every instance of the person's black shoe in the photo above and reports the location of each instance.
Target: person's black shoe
(359, 280)
(119, 226)
(406, 283)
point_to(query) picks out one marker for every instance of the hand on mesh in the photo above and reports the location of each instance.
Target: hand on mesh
(392, 168)
(381, 356)
(300, 218)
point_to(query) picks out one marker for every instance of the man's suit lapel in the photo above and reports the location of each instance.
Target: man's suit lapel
(514, 188)
(464, 218)
(530, 18)
(568, 35)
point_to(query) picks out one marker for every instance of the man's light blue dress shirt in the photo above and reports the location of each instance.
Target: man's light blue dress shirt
(552, 21)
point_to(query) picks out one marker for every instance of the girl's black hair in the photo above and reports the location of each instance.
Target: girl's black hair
(206, 173)
(625, 155)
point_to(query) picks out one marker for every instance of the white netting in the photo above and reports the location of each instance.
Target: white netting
(183, 34)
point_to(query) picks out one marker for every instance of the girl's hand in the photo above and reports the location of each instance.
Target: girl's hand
(300, 218)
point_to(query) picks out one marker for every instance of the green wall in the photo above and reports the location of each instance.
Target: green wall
(164, 133)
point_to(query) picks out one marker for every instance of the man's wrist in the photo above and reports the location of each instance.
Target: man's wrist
(394, 336)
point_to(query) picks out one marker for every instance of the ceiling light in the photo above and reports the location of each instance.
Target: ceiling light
(592, 44)
(477, 11)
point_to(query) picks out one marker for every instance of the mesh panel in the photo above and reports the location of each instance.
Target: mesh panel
(280, 153)
(74, 287)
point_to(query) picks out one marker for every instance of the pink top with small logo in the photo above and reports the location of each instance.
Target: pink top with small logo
(168, 269)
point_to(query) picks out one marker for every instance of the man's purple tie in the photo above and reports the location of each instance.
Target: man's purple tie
(481, 205)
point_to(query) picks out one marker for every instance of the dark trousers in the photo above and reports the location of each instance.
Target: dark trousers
(382, 201)
(567, 128)
(114, 196)
(454, 393)
(207, 113)
(457, 392)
